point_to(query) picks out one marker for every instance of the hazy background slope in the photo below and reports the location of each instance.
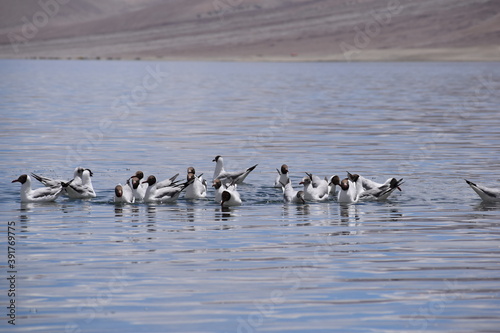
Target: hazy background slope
(252, 29)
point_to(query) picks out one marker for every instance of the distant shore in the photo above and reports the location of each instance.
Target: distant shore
(476, 54)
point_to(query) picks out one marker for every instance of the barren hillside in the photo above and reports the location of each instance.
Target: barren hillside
(252, 30)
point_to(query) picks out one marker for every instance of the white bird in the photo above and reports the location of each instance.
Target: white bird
(382, 192)
(347, 192)
(230, 197)
(332, 188)
(49, 182)
(312, 193)
(85, 190)
(358, 186)
(219, 188)
(138, 188)
(164, 194)
(42, 194)
(198, 188)
(369, 184)
(367, 189)
(164, 183)
(229, 177)
(488, 194)
(282, 177)
(291, 195)
(123, 194)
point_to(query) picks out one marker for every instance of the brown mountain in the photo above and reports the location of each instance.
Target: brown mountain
(252, 29)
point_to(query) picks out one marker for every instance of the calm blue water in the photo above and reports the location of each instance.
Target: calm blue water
(427, 260)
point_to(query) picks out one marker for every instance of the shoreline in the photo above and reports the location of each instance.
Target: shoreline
(476, 54)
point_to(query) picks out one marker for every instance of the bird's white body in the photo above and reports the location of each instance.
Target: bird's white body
(197, 189)
(230, 197)
(85, 190)
(229, 177)
(347, 192)
(291, 195)
(487, 194)
(123, 194)
(318, 193)
(42, 194)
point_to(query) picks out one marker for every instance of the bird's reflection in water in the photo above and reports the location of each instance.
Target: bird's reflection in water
(224, 213)
(487, 206)
(151, 213)
(126, 212)
(349, 214)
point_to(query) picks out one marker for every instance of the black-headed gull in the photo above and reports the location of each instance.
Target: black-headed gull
(312, 193)
(49, 182)
(229, 177)
(230, 197)
(164, 183)
(219, 188)
(369, 184)
(369, 190)
(332, 188)
(138, 188)
(85, 190)
(382, 192)
(42, 194)
(282, 177)
(198, 188)
(164, 194)
(488, 194)
(347, 192)
(291, 195)
(123, 193)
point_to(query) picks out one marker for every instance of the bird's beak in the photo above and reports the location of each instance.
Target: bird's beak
(15, 180)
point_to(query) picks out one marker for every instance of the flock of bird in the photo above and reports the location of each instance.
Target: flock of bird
(351, 189)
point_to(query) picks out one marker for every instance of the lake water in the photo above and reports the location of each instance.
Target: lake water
(426, 260)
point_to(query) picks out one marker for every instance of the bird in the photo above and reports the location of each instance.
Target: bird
(164, 194)
(369, 190)
(282, 177)
(42, 194)
(85, 190)
(198, 188)
(219, 188)
(369, 184)
(49, 182)
(487, 194)
(332, 188)
(291, 195)
(382, 192)
(356, 184)
(311, 193)
(347, 192)
(164, 183)
(230, 197)
(138, 188)
(229, 177)
(123, 193)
